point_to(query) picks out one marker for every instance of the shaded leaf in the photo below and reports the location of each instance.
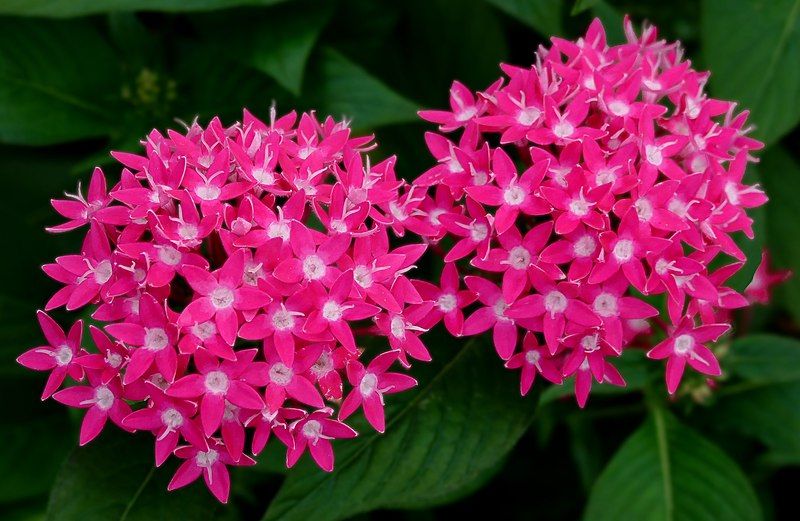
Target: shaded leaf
(444, 442)
(764, 358)
(542, 15)
(757, 67)
(666, 471)
(58, 82)
(344, 89)
(67, 8)
(114, 478)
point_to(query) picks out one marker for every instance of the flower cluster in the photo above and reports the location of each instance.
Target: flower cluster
(579, 190)
(233, 274)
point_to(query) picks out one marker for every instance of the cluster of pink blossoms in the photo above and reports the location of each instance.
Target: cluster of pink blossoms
(578, 186)
(236, 271)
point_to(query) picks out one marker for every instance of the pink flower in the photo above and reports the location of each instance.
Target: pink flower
(533, 360)
(60, 356)
(217, 382)
(101, 401)
(685, 345)
(449, 300)
(764, 280)
(212, 463)
(315, 432)
(370, 384)
(79, 210)
(492, 316)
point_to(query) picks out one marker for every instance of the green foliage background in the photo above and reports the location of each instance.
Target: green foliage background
(81, 77)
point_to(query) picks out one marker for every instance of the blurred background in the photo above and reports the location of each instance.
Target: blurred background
(79, 78)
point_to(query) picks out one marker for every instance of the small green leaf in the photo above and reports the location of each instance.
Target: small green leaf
(447, 440)
(666, 471)
(114, 477)
(757, 67)
(55, 82)
(764, 358)
(543, 15)
(68, 8)
(343, 89)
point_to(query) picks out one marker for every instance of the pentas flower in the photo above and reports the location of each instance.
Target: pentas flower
(233, 273)
(578, 195)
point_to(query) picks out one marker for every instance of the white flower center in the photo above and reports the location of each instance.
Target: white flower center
(155, 339)
(603, 177)
(263, 176)
(519, 258)
(447, 302)
(207, 192)
(653, 154)
(643, 209)
(222, 297)
(478, 232)
(732, 191)
(528, 116)
(363, 276)
(589, 343)
(169, 255)
(563, 129)
(205, 330)
(323, 365)
(368, 384)
(398, 327)
(279, 229)
(217, 382)
(619, 108)
(282, 320)
(579, 207)
(584, 246)
(113, 360)
(63, 355)
(555, 302)
(332, 311)
(500, 308)
(683, 344)
(312, 430)
(103, 272)
(104, 398)
(605, 305)
(313, 267)
(533, 357)
(206, 459)
(623, 250)
(514, 195)
(187, 231)
(280, 374)
(172, 418)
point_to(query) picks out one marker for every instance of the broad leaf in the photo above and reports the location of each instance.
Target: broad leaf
(543, 15)
(445, 441)
(764, 358)
(666, 471)
(114, 478)
(67, 8)
(344, 89)
(757, 66)
(780, 174)
(58, 82)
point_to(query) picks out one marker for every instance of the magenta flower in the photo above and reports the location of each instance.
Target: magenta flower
(449, 300)
(80, 210)
(211, 461)
(370, 384)
(61, 356)
(101, 401)
(221, 294)
(217, 382)
(685, 345)
(631, 184)
(315, 432)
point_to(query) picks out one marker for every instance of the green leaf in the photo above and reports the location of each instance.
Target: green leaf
(542, 15)
(666, 471)
(114, 477)
(582, 5)
(342, 88)
(458, 426)
(781, 177)
(764, 358)
(769, 413)
(612, 21)
(757, 67)
(68, 8)
(55, 79)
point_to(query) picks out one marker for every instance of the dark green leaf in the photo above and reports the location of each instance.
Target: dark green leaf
(542, 15)
(582, 5)
(58, 82)
(666, 471)
(752, 48)
(612, 21)
(781, 177)
(455, 430)
(67, 8)
(114, 478)
(342, 88)
(764, 358)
